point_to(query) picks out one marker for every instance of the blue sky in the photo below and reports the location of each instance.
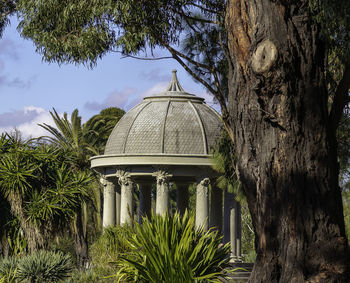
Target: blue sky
(30, 88)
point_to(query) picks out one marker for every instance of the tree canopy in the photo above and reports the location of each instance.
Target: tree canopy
(281, 73)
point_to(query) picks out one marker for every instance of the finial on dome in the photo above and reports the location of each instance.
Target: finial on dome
(174, 84)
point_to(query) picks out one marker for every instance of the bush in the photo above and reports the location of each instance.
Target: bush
(171, 249)
(44, 266)
(106, 250)
(8, 269)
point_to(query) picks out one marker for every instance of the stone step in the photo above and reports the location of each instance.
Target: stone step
(242, 273)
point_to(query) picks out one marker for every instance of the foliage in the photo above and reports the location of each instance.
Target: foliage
(108, 247)
(8, 269)
(72, 137)
(44, 266)
(85, 276)
(346, 205)
(224, 163)
(42, 191)
(7, 8)
(103, 124)
(81, 141)
(335, 23)
(343, 138)
(248, 237)
(171, 249)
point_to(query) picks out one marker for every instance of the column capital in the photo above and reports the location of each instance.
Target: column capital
(124, 178)
(103, 181)
(162, 176)
(205, 182)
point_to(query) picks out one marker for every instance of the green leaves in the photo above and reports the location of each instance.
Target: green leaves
(42, 266)
(170, 249)
(44, 192)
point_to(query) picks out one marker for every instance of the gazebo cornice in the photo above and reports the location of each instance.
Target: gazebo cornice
(150, 159)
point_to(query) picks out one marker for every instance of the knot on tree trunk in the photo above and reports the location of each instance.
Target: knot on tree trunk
(264, 56)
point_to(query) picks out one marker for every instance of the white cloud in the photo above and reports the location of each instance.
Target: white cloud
(26, 121)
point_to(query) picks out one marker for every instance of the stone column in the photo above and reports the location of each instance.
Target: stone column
(162, 198)
(216, 207)
(239, 230)
(126, 201)
(202, 203)
(108, 218)
(117, 206)
(231, 225)
(145, 201)
(181, 198)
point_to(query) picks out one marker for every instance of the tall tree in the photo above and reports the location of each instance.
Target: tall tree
(42, 191)
(81, 141)
(276, 109)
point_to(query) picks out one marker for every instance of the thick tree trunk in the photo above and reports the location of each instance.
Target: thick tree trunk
(285, 146)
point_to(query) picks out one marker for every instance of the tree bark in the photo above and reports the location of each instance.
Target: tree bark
(80, 241)
(285, 144)
(36, 237)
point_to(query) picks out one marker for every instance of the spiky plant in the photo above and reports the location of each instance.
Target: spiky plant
(171, 249)
(44, 266)
(8, 269)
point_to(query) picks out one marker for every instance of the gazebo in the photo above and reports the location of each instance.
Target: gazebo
(166, 140)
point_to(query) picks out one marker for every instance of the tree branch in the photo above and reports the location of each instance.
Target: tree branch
(341, 98)
(142, 58)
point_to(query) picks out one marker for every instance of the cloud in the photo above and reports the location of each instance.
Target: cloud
(155, 75)
(16, 82)
(116, 98)
(129, 97)
(8, 48)
(26, 120)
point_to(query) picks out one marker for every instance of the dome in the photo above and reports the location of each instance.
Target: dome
(171, 122)
(171, 128)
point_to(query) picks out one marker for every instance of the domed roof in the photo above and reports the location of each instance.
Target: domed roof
(173, 122)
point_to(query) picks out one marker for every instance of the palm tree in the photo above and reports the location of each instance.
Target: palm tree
(103, 123)
(82, 141)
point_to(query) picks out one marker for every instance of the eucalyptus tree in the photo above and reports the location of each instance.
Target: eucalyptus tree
(278, 109)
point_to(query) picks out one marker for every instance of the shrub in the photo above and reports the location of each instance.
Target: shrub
(44, 266)
(8, 269)
(106, 250)
(171, 249)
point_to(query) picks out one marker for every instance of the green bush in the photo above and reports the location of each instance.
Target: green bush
(106, 250)
(86, 276)
(44, 266)
(171, 249)
(8, 269)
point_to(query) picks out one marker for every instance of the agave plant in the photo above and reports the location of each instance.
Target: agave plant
(171, 249)
(44, 266)
(8, 269)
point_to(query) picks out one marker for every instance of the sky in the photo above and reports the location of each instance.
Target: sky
(30, 87)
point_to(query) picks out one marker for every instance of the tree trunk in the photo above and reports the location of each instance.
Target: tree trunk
(286, 149)
(80, 241)
(36, 239)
